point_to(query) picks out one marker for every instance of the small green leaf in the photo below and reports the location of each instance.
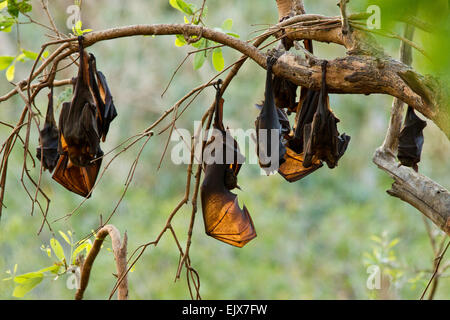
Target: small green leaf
(186, 20)
(45, 54)
(21, 57)
(30, 54)
(393, 243)
(64, 236)
(57, 249)
(199, 59)
(5, 61)
(217, 59)
(23, 278)
(186, 8)
(227, 24)
(53, 269)
(10, 72)
(3, 4)
(200, 44)
(86, 245)
(6, 23)
(179, 41)
(174, 4)
(26, 285)
(233, 34)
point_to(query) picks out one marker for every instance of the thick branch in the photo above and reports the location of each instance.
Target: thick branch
(424, 194)
(357, 74)
(120, 255)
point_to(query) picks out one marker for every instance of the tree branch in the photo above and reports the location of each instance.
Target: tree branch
(120, 255)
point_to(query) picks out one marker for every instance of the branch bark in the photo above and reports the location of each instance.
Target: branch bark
(425, 195)
(355, 74)
(120, 256)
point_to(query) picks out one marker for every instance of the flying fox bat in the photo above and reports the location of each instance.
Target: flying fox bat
(321, 137)
(78, 122)
(224, 219)
(78, 179)
(103, 96)
(285, 91)
(82, 123)
(293, 170)
(48, 149)
(410, 140)
(269, 120)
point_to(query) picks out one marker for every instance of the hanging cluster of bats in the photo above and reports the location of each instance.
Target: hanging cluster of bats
(72, 148)
(301, 150)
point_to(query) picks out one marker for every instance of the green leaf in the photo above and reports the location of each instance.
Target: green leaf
(199, 59)
(3, 4)
(233, 34)
(199, 44)
(227, 24)
(23, 278)
(30, 54)
(174, 4)
(15, 7)
(87, 246)
(53, 269)
(5, 61)
(77, 29)
(27, 284)
(6, 23)
(180, 41)
(21, 57)
(64, 236)
(393, 243)
(186, 8)
(57, 249)
(10, 72)
(45, 54)
(217, 59)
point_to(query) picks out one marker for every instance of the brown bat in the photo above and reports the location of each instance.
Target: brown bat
(103, 96)
(410, 140)
(48, 139)
(78, 179)
(321, 137)
(81, 124)
(268, 120)
(78, 121)
(285, 91)
(224, 219)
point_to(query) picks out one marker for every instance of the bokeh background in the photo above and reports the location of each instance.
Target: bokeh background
(316, 237)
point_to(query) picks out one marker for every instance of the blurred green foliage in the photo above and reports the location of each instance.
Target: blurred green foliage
(312, 235)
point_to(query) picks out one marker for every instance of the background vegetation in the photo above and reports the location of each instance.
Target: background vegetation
(316, 237)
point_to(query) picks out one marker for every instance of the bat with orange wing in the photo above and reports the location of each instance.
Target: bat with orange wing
(82, 123)
(224, 219)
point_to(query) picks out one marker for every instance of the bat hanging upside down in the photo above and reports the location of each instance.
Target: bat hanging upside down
(224, 219)
(82, 123)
